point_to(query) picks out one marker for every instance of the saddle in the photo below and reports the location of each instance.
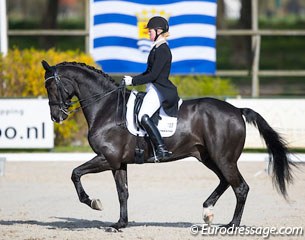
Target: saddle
(166, 124)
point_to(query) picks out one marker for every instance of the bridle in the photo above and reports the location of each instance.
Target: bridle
(64, 105)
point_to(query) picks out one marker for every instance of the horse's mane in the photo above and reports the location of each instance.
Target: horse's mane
(84, 65)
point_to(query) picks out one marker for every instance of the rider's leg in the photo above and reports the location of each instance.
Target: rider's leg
(151, 103)
(161, 152)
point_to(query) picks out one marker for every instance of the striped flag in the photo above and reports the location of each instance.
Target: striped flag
(120, 43)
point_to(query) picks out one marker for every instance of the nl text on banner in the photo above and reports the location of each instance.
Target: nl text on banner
(25, 123)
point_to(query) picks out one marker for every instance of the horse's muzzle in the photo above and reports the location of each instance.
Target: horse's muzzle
(58, 115)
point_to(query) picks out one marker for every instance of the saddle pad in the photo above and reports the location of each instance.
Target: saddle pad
(167, 125)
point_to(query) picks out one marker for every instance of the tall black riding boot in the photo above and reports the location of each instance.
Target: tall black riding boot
(161, 152)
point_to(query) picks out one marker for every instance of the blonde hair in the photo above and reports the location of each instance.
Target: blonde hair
(165, 35)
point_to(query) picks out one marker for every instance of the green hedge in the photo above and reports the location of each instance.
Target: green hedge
(198, 86)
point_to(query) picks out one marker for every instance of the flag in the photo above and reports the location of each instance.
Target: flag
(119, 42)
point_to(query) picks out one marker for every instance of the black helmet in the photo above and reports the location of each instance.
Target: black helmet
(158, 22)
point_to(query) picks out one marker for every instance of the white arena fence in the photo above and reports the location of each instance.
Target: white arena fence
(83, 157)
(286, 116)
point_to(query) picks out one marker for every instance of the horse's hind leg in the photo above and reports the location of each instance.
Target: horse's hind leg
(95, 165)
(228, 176)
(240, 188)
(210, 202)
(120, 177)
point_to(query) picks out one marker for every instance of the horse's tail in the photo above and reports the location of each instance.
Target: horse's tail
(277, 149)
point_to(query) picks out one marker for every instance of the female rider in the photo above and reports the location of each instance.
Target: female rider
(160, 91)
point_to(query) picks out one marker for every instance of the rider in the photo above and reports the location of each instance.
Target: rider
(160, 91)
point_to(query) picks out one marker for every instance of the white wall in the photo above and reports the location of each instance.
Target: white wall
(286, 116)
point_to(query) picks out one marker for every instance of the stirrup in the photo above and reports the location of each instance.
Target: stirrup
(161, 154)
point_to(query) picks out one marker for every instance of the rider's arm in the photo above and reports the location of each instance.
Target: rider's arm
(162, 56)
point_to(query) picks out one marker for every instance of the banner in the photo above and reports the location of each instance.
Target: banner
(25, 123)
(119, 42)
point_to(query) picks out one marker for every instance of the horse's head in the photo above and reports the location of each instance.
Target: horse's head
(60, 91)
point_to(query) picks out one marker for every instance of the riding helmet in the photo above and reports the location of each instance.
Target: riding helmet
(158, 22)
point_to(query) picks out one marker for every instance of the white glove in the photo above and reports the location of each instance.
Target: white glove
(128, 80)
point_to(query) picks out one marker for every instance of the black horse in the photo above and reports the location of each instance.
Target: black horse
(211, 130)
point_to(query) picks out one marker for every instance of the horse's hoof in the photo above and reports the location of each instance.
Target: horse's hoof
(208, 215)
(119, 225)
(112, 230)
(208, 219)
(96, 204)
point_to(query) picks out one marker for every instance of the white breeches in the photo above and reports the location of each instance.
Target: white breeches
(151, 102)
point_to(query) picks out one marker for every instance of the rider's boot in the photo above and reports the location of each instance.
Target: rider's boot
(161, 152)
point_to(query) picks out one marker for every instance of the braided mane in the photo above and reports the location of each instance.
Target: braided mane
(84, 65)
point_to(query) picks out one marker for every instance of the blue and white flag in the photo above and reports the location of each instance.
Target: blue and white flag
(120, 43)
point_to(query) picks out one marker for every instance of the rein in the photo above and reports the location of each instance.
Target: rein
(97, 97)
(63, 106)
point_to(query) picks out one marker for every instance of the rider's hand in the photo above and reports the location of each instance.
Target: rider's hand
(128, 80)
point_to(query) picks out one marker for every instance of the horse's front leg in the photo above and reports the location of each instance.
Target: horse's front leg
(95, 165)
(120, 177)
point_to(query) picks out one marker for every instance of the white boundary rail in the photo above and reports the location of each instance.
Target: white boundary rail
(83, 157)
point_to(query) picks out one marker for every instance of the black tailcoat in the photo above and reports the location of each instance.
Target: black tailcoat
(157, 72)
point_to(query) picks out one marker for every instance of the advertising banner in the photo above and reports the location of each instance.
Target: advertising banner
(25, 123)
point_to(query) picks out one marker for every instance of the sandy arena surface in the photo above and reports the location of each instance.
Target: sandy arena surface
(38, 201)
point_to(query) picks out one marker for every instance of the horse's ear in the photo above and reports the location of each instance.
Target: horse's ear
(46, 66)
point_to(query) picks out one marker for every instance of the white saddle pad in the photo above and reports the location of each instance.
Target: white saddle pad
(167, 125)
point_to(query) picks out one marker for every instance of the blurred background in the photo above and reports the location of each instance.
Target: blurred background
(233, 52)
(260, 52)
